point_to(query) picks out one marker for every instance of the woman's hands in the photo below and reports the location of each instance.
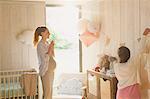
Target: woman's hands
(147, 31)
(51, 49)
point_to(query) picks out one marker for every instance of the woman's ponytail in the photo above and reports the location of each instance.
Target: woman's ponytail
(37, 34)
(36, 38)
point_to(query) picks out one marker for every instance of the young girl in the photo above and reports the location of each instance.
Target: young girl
(47, 64)
(127, 72)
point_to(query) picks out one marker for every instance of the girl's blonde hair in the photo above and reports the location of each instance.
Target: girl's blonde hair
(37, 33)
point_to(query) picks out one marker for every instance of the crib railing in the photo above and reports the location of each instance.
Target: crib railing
(12, 86)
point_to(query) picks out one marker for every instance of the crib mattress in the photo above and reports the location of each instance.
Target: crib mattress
(11, 90)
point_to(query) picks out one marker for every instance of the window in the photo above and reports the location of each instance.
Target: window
(62, 22)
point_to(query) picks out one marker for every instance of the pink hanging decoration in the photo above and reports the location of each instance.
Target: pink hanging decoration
(88, 38)
(90, 32)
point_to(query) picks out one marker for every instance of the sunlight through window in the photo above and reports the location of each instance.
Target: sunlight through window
(62, 23)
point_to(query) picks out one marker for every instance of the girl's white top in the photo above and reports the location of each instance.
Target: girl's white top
(43, 57)
(129, 73)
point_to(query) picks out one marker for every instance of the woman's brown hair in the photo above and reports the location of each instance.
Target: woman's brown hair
(37, 33)
(124, 54)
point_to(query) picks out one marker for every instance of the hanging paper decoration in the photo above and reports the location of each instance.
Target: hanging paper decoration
(145, 42)
(93, 28)
(87, 38)
(147, 52)
(60, 42)
(90, 32)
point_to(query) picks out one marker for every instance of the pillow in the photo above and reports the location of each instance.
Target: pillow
(71, 87)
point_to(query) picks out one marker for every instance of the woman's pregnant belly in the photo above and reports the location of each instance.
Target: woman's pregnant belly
(52, 63)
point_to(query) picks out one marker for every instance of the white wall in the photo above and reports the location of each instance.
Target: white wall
(124, 21)
(15, 17)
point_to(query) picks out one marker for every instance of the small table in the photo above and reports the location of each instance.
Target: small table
(98, 75)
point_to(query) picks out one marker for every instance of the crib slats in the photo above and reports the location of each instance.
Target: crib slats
(9, 88)
(17, 81)
(0, 87)
(5, 88)
(13, 92)
(13, 86)
(22, 86)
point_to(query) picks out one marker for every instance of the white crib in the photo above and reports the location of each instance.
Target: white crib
(11, 86)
